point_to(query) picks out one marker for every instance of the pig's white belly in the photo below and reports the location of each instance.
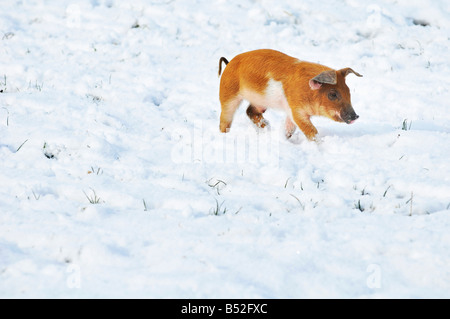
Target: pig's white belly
(273, 97)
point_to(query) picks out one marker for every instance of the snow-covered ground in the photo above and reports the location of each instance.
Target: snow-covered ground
(115, 180)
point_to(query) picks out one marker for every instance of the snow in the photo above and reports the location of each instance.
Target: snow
(116, 182)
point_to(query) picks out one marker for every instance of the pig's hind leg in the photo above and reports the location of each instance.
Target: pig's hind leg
(228, 110)
(255, 113)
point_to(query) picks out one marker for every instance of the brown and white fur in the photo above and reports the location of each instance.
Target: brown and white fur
(271, 79)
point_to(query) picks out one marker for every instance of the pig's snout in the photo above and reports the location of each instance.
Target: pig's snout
(349, 117)
(352, 119)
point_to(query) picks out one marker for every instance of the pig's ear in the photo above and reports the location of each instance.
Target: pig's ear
(326, 77)
(346, 71)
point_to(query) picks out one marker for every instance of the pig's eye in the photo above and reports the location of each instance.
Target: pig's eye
(333, 95)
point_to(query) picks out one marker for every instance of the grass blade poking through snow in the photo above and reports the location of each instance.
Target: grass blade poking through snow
(405, 126)
(18, 149)
(216, 211)
(93, 199)
(145, 205)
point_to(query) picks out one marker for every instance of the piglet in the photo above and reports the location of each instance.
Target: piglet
(271, 79)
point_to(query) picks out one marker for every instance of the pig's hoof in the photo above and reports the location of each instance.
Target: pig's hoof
(263, 123)
(316, 139)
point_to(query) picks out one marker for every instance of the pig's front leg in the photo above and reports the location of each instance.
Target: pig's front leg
(304, 124)
(290, 127)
